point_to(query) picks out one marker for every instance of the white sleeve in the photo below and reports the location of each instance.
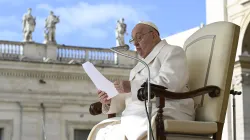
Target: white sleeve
(116, 106)
(173, 73)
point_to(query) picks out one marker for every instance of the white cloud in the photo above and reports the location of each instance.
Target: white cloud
(90, 19)
(43, 6)
(86, 14)
(95, 33)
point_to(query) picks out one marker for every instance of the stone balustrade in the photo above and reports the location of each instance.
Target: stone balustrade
(10, 49)
(21, 51)
(81, 54)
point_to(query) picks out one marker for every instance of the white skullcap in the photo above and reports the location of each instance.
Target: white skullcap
(150, 24)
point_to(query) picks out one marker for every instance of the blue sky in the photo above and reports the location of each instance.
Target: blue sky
(92, 22)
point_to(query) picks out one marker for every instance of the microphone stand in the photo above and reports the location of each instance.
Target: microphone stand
(149, 106)
(233, 92)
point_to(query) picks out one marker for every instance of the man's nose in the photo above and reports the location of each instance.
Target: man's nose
(136, 43)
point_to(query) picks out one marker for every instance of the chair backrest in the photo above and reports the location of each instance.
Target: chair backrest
(211, 55)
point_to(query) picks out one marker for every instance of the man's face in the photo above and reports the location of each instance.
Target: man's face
(142, 38)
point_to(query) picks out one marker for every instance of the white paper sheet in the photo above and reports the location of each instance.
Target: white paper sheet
(99, 80)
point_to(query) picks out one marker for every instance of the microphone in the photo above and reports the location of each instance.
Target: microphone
(142, 93)
(149, 105)
(235, 92)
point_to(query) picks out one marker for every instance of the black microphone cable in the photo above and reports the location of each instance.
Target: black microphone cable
(149, 119)
(142, 96)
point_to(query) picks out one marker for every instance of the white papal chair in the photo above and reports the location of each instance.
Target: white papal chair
(211, 55)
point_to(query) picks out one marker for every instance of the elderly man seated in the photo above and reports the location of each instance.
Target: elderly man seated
(168, 66)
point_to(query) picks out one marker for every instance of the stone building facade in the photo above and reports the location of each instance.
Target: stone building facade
(45, 93)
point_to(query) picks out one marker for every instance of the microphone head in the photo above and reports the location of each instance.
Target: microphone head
(121, 48)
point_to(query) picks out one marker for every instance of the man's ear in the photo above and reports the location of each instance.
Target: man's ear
(155, 35)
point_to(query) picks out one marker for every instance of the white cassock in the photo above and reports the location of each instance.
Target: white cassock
(168, 67)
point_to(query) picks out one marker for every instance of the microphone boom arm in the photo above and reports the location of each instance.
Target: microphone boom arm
(149, 105)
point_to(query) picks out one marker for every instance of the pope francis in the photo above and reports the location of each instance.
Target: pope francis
(168, 67)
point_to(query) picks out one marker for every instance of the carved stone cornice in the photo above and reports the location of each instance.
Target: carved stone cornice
(30, 106)
(241, 74)
(75, 123)
(37, 93)
(49, 100)
(54, 75)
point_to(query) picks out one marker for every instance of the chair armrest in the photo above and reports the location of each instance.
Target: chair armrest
(212, 91)
(160, 91)
(95, 108)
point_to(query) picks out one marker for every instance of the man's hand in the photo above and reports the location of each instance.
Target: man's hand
(122, 86)
(103, 97)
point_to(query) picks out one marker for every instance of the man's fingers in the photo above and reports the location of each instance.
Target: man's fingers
(99, 92)
(116, 83)
(116, 86)
(102, 100)
(102, 94)
(119, 89)
(105, 100)
(104, 97)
